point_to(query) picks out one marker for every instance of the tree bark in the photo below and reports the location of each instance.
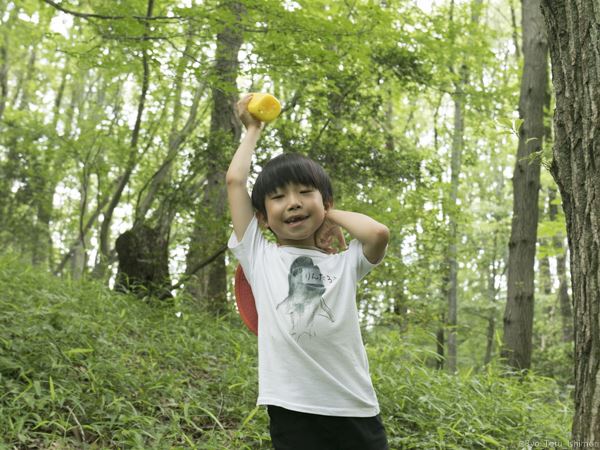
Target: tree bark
(210, 227)
(143, 262)
(574, 40)
(518, 315)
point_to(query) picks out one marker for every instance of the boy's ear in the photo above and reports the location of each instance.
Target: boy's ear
(328, 205)
(262, 219)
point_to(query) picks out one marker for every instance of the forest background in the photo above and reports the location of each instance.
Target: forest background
(116, 127)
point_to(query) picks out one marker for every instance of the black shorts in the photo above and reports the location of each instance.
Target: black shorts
(292, 430)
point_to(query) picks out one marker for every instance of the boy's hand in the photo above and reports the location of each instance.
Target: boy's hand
(327, 234)
(247, 119)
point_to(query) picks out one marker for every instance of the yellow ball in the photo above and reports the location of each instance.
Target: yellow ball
(264, 107)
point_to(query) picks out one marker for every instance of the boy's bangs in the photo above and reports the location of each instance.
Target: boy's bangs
(290, 168)
(289, 174)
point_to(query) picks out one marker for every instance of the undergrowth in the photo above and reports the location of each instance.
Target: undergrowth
(84, 368)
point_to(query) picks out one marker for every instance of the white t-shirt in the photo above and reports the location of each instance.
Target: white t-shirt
(311, 356)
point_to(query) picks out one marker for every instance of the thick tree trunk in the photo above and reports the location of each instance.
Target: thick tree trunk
(143, 262)
(574, 40)
(518, 315)
(211, 225)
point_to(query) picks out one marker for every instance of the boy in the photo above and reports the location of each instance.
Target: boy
(313, 369)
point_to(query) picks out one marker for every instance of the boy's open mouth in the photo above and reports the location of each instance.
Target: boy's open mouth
(295, 219)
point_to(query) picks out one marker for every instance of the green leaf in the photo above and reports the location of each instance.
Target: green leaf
(213, 417)
(78, 351)
(249, 417)
(489, 440)
(51, 386)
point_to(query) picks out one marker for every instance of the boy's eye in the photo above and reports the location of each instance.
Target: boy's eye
(306, 191)
(276, 196)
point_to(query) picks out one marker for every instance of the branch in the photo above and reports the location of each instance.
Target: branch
(198, 266)
(88, 16)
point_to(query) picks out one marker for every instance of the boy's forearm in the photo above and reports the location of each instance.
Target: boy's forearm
(360, 226)
(240, 204)
(373, 235)
(239, 168)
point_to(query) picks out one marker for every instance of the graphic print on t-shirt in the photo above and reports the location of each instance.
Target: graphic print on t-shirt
(305, 298)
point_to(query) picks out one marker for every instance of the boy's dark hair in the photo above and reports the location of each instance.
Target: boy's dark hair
(290, 168)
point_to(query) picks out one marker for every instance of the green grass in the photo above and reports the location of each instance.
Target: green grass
(83, 367)
(427, 409)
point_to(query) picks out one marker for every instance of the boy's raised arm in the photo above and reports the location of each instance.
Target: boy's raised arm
(373, 235)
(240, 204)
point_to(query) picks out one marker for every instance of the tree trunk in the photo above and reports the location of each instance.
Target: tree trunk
(5, 47)
(515, 30)
(440, 345)
(41, 248)
(143, 262)
(455, 168)
(3, 74)
(211, 225)
(518, 315)
(492, 275)
(451, 279)
(452, 255)
(574, 40)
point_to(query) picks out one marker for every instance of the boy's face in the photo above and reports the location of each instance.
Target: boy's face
(294, 213)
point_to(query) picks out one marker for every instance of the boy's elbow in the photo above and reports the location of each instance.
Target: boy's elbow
(233, 180)
(374, 250)
(382, 234)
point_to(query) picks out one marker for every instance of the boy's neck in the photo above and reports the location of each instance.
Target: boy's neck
(308, 247)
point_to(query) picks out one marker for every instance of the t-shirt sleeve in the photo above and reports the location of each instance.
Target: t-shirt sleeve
(246, 250)
(357, 256)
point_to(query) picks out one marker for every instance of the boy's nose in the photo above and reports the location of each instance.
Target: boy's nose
(295, 202)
